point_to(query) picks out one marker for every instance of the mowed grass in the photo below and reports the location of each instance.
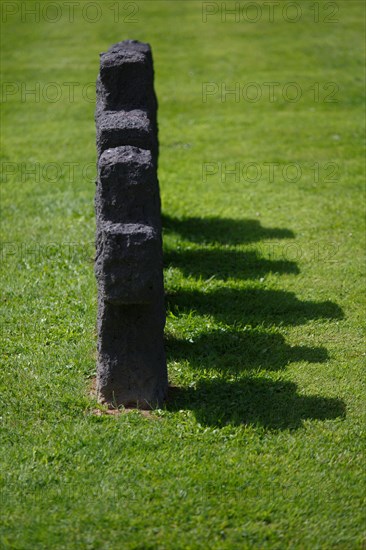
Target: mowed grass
(261, 442)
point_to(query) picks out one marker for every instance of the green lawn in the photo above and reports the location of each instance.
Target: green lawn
(261, 442)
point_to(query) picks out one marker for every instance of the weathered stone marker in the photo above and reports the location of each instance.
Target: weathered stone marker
(131, 365)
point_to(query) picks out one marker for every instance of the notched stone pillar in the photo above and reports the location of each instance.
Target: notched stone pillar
(131, 366)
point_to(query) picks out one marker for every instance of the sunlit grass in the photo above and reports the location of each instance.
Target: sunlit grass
(260, 444)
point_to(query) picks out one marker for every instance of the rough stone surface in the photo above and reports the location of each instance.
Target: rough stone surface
(128, 265)
(117, 128)
(127, 187)
(131, 365)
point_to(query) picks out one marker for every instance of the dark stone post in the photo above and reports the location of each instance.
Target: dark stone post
(131, 365)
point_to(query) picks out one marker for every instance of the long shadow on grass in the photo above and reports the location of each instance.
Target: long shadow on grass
(232, 352)
(223, 230)
(221, 263)
(225, 264)
(271, 404)
(254, 306)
